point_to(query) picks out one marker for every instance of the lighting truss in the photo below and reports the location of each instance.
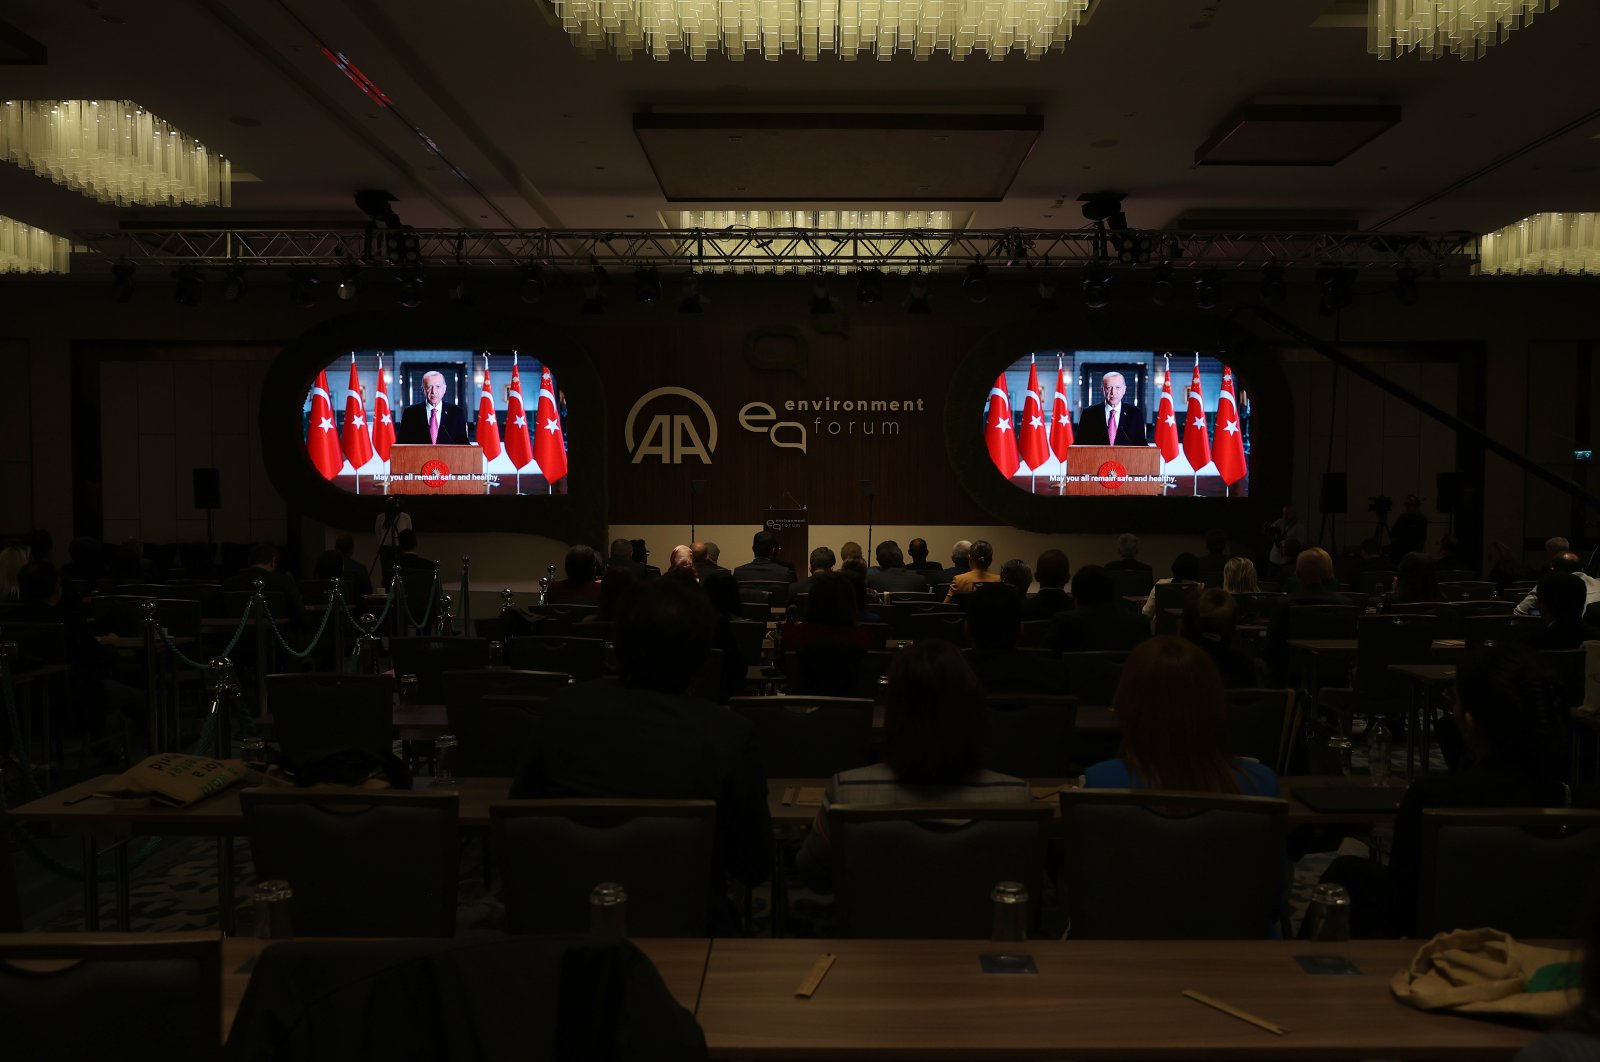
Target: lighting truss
(787, 250)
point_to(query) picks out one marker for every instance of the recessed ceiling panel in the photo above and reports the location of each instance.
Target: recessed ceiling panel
(811, 158)
(1294, 134)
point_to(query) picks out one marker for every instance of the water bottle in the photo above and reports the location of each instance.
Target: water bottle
(1379, 743)
(608, 910)
(1329, 913)
(1010, 911)
(272, 910)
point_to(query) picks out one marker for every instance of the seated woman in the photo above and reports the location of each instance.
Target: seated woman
(582, 584)
(1239, 576)
(1173, 715)
(1414, 582)
(979, 557)
(1507, 712)
(830, 617)
(934, 726)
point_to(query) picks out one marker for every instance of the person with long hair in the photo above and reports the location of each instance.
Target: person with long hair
(1172, 712)
(1239, 576)
(12, 561)
(934, 725)
(979, 556)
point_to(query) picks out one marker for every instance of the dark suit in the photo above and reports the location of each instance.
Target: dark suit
(640, 571)
(896, 581)
(1092, 427)
(1045, 604)
(354, 582)
(764, 570)
(414, 425)
(281, 581)
(600, 739)
(948, 575)
(1117, 625)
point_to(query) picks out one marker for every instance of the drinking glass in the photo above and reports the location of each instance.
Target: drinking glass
(608, 910)
(273, 919)
(1010, 911)
(444, 760)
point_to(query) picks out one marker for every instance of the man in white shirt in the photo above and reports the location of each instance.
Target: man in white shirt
(1285, 529)
(1563, 562)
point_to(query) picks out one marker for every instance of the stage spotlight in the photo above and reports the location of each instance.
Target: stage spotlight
(646, 284)
(1046, 302)
(1208, 289)
(1336, 289)
(1273, 287)
(186, 281)
(917, 299)
(347, 281)
(1161, 287)
(303, 287)
(233, 283)
(821, 301)
(409, 292)
(594, 288)
(1405, 285)
(976, 284)
(692, 301)
(122, 274)
(869, 286)
(532, 283)
(1104, 208)
(1097, 287)
(1133, 248)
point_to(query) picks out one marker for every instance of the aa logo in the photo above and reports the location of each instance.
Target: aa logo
(680, 425)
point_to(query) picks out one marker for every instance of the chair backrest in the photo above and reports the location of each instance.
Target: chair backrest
(1030, 734)
(1131, 583)
(157, 996)
(329, 710)
(707, 684)
(765, 591)
(1514, 629)
(562, 618)
(554, 852)
(1122, 844)
(879, 633)
(946, 626)
(1529, 872)
(493, 732)
(1466, 590)
(362, 863)
(1261, 725)
(1093, 676)
(1035, 634)
(927, 870)
(1322, 621)
(900, 612)
(430, 657)
(1176, 595)
(809, 737)
(755, 611)
(749, 637)
(1258, 607)
(1393, 639)
(582, 658)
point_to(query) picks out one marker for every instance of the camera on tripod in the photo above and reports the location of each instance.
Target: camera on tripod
(1380, 504)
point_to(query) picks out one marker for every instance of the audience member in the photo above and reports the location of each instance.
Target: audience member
(1175, 742)
(1239, 576)
(1016, 574)
(960, 562)
(128, 563)
(622, 558)
(1099, 620)
(1052, 572)
(765, 568)
(917, 549)
(1563, 563)
(994, 624)
(1285, 529)
(854, 571)
(1562, 598)
(12, 560)
(340, 563)
(1127, 556)
(409, 558)
(830, 616)
(851, 551)
(891, 575)
(706, 556)
(1185, 569)
(680, 564)
(1507, 714)
(1313, 570)
(615, 586)
(1416, 581)
(263, 566)
(1410, 531)
(980, 556)
(582, 584)
(641, 555)
(821, 561)
(1448, 558)
(1215, 558)
(934, 726)
(1210, 621)
(644, 737)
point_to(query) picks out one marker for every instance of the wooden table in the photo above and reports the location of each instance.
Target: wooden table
(1425, 679)
(1090, 999)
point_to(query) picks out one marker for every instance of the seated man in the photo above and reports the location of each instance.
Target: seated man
(1127, 556)
(960, 562)
(1563, 563)
(340, 563)
(891, 574)
(1099, 619)
(409, 557)
(822, 561)
(917, 549)
(1313, 574)
(582, 584)
(264, 566)
(1562, 598)
(765, 568)
(645, 737)
(1052, 572)
(994, 622)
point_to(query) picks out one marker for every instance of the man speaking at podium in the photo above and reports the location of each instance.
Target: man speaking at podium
(1110, 423)
(435, 421)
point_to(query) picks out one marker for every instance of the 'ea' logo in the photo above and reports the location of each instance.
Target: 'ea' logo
(671, 436)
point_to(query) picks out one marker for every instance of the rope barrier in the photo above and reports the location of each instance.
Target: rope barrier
(315, 638)
(434, 592)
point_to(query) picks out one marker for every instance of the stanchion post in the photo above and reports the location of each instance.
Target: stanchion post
(223, 682)
(446, 622)
(259, 604)
(397, 602)
(152, 693)
(466, 597)
(367, 646)
(336, 603)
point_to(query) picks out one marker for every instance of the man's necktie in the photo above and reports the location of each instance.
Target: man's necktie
(433, 424)
(1113, 439)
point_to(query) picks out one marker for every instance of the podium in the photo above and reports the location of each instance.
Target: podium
(792, 528)
(427, 469)
(1100, 471)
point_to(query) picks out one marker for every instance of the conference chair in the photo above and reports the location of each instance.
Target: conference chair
(879, 633)
(750, 638)
(1126, 850)
(325, 711)
(763, 591)
(1376, 690)
(582, 658)
(901, 612)
(1094, 675)
(1262, 725)
(1030, 734)
(923, 626)
(1322, 621)
(1466, 590)
(1035, 634)
(1258, 607)
(361, 862)
(800, 736)
(1172, 595)
(493, 732)
(927, 870)
(1132, 583)
(430, 657)
(554, 852)
(826, 669)
(561, 619)
(755, 611)
(146, 998)
(1483, 630)
(1527, 871)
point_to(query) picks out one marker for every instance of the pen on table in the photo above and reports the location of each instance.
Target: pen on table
(1242, 1015)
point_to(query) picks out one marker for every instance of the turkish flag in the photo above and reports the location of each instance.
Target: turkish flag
(382, 419)
(357, 443)
(1060, 418)
(322, 442)
(1229, 453)
(1196, 444)
(549, 448)
(1167, 420)
(997, 433)
(488, 429)
(519, 445)
(1035, 433)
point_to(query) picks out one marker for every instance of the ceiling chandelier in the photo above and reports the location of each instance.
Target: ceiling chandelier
(113, 151)
(1543, 243)
(810, 27)
(26, 249)
(1440, 27)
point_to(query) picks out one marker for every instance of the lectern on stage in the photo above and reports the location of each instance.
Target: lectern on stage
(1112, 470)
(425, 469)
(792, 528)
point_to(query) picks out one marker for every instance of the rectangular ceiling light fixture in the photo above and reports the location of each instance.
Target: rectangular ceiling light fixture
(1295, 133)
(26, 249)
(1542, 244)
(113, 151)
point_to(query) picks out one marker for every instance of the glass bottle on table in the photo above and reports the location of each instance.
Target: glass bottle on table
(1380, 743)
